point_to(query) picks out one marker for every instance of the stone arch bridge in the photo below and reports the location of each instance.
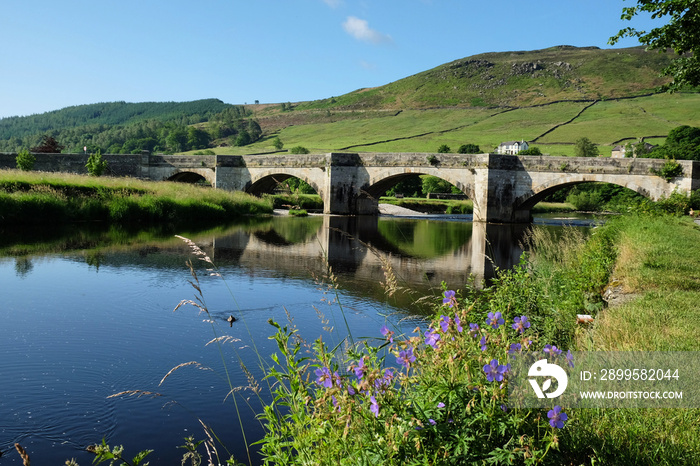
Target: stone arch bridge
(503, 188)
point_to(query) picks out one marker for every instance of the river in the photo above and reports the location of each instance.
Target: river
(87, 314)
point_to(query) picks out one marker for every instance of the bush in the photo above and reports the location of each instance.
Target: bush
(669, 170)
(25, 160)
(469, 149)
(444, 149)
(299, 150)
(95, 164)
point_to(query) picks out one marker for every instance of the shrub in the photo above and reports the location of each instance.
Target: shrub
(444, 149)
(25, 160)
(96, 165)
(469, 149)
(669, 170)
(299, 150)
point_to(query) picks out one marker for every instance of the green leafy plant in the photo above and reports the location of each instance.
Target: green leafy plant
(298, 150)
(432, 160)
(25, 160)
(103, 453)
(670, 170)
(96, 165)
(444, 149)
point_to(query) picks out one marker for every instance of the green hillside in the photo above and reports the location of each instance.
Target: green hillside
(516, 79)
(547, 97)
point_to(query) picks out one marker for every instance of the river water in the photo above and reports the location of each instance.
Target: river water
(87, 314)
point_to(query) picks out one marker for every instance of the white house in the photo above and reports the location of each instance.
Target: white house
(511, 147)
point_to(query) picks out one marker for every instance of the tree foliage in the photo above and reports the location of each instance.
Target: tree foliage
(49, 145)
(532, 150)
(469, 149)
(682, 143)
(584, 147)
(681, 33)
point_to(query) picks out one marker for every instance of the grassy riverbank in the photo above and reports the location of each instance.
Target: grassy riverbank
(48, 198)
(649, 267)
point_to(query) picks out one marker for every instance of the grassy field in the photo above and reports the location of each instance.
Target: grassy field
(554, 127)
(45, 198)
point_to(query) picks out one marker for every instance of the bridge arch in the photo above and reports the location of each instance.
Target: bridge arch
(383, 180)
(539, 192)
(265, 181)
(193, 176)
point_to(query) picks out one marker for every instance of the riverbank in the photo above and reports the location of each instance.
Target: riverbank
(38, 198)
(648, 273)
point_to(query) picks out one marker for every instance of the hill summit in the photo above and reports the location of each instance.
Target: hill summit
(516, 79)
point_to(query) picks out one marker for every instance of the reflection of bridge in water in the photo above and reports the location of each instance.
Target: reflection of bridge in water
(356, 248)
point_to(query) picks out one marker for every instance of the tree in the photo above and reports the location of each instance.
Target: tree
(444, 149)
(584, 147)
(434, 184)
(682, 143)
(48, 145)
(177, 139)
(197, 138)
(298, 150)
(277, 143)
(533, 150)
(469, 149)
(681, 33)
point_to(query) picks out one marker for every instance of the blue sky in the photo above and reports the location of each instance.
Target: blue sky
(56, 54)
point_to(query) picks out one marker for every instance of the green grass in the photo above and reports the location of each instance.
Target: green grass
(425, 130)
(41, 198)
(655, 261)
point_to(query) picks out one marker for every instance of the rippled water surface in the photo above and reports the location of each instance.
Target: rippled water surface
(85, 317)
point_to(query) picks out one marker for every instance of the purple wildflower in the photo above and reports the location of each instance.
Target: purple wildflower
(570, 358)
(504, 408)
(521, 323)
(515, 348)
(557, 417)
(431, 338)
(458, 323)
(482, 343)
(406, 357)
(374, 406)
(449, 299)
(494, 371)
(552, 350)
(351, 390)
(360, 369)
(473, 330)
(441, 405)
(382, 383)
(444, 323)
(432, 422)
(324, 377)
(387, 333)
(495, 320)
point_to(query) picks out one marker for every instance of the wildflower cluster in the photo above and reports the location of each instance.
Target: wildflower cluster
(441, 393)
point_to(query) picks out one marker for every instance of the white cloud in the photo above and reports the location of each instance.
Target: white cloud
(359, 29)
